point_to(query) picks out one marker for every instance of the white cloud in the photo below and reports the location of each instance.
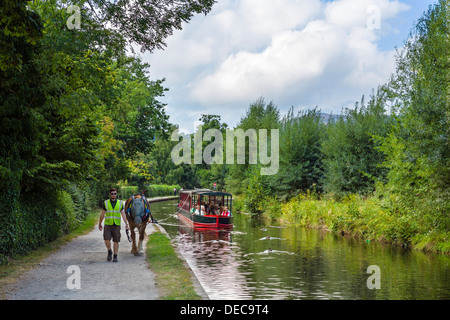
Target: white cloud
(355, 13)
(296, 57)
(296, 52)
(293, 57)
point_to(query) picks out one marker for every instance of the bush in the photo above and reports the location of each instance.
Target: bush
(34, 219)
(151, 191)
(238, 203)
(273, 208)
(161, 190)
(127, 191)
(256, 192)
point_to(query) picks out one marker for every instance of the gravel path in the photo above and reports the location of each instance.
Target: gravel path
(56, 277)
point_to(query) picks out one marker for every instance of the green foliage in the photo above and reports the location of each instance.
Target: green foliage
(136, 112)
(417, 148)
(74, 108)
(351, 162)
(301, 165)
(272, 208)
(254, 200)
(151, 191)
(161, 190)
(390, 173)
(127, 191)
(34, 220)
(354, 215)
(19, 28)
(260, 115)
(151, 22)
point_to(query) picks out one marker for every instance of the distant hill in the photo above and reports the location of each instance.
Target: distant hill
(327, 117)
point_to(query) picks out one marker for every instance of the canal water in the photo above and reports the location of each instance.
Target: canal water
(258, 260)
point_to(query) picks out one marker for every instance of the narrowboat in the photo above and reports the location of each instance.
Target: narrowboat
(205, 208)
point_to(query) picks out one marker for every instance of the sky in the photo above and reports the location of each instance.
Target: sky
(295, 53)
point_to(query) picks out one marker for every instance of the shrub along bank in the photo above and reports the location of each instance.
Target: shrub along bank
(369, 218)
(151, 190)
(32, 219)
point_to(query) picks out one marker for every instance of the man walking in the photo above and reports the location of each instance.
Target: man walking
(112, 209)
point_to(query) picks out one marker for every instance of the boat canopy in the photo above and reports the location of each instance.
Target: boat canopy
(207, 192)
(188, 198)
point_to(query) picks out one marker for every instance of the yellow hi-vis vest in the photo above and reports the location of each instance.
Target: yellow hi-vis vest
(112, 215)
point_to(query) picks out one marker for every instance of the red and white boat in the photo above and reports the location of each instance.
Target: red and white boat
(205, 208)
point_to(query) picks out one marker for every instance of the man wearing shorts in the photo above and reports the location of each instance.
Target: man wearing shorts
(112, 210)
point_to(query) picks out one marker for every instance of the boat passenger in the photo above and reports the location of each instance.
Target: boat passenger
(226, 212)
(200, 210)
(210, 208)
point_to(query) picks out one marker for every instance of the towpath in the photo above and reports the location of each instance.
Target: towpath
(79, 270)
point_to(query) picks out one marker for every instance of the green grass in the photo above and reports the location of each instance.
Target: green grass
(172, 277)
(11, 272)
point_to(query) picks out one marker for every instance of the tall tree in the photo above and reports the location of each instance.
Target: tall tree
(351, 160)
(209, 174)
(301, 165)
(59, 91)
(417, 149)
(259, 115)
(146, 23)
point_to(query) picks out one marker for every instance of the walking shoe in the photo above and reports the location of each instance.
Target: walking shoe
(115, 258)
(109, 255)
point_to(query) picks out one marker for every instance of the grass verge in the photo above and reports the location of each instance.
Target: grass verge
(16, 267)
(172, 277)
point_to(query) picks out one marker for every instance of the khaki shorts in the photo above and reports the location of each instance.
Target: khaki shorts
(111, 232)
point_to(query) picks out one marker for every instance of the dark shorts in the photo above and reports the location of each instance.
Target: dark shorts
(111, 232)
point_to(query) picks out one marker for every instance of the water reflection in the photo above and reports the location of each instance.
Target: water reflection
(259, 261)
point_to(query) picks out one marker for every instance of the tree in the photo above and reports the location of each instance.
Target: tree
(351, 160)
(135, 110)
(208, 174)
(259, 115)
(301, 165)
(21, 96)
(59, 92)
(146, 22)
(417, 148)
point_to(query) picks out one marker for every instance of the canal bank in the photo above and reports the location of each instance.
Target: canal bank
(161, 199)
(367, 218)
(260, 259)
(174, 277)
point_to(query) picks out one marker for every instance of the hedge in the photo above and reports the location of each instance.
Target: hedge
(33, 219)
(150, 190)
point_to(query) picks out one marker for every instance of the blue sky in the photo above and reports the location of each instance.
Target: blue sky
(300, 53)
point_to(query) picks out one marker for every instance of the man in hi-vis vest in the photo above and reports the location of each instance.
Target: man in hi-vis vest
(113, 209)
